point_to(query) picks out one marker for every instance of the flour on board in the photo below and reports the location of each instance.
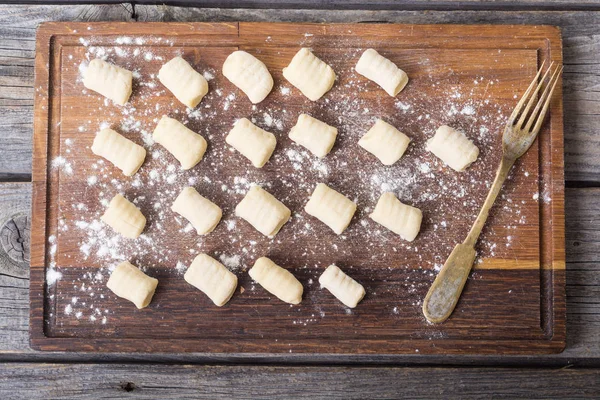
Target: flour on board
(417, 179)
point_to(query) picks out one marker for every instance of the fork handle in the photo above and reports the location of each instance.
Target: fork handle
(450, 281)
(501, 175)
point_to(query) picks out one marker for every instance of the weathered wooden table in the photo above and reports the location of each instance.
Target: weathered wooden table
(25, 373)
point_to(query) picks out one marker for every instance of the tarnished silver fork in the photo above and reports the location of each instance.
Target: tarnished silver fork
(521, 130)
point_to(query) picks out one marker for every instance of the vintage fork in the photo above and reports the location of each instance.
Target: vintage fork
(518, 136)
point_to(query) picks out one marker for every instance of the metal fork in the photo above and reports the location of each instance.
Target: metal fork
(518, 136)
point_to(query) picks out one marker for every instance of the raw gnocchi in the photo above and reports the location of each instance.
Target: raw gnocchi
(203, 214)
(331, 207)
(277, 281)
(400, 218)
(122, 152)
(187, 146)
(453, 148)
(309, 74)
(109, 80)
(254, 143)
(124, 217)
(315, 135)
(249, 74)
(385, 142)
(344, 288)
(130, 283)
(212, 278)
(382, 71)
(186, 84)
(263, 211)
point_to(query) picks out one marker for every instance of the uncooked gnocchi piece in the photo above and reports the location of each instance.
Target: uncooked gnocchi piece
(385, 142)
(203, 214)
(400, 218)
(109, 80)
(122, 152)
(346, 289)
(382, 71)
(254, 143)
(277, 281)
(130, 283)
(249, 74)
(332, 208)
(186, 84)
(315, 135)
(263, 211)
(309, 74)
(453, 148)
(212, 278)
(187, 146)
(124, 217)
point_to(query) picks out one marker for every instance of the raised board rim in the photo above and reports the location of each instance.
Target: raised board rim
(549, 45)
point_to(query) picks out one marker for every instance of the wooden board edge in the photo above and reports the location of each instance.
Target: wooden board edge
(220, 29)
(559, 322)
(45, 33)
(399, 29)
(43, 46)
(553, 345)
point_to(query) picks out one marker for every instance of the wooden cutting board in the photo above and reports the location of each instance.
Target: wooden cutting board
(469, 77)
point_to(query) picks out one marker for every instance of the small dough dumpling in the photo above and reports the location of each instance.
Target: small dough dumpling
(124, 217)
(254, 143)
(331, 207)
(130, 283)
(203, 214)
(382, 71)
(400, 218)
(187, 146)
(249, 74)
(309, 74)
(453, 148)
(263, 211)
(122, 152)
(187, 84)
(346, 289)
(109, 80)
(315, 135)
(277, 281)
(385, 142)
(212, 278)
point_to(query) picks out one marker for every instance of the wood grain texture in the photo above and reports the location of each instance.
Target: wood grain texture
(18, 29)
(14, 276)
(389, 321)
(447, 5)
(85, 381)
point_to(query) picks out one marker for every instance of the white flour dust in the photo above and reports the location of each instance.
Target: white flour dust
(170, 243)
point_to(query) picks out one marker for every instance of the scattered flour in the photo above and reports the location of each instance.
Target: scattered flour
(52, 276)
(231, 262)
(180, 267)
(418, 179)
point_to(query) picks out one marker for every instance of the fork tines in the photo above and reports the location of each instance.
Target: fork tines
(536, 117)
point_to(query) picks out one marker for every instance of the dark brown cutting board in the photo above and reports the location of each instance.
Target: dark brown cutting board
(468, 77)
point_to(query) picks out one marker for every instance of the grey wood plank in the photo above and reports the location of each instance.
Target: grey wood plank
(440, 5)
(100, 381)
(14, 276)
(583, 305)
(446, 5)
(581, 53)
